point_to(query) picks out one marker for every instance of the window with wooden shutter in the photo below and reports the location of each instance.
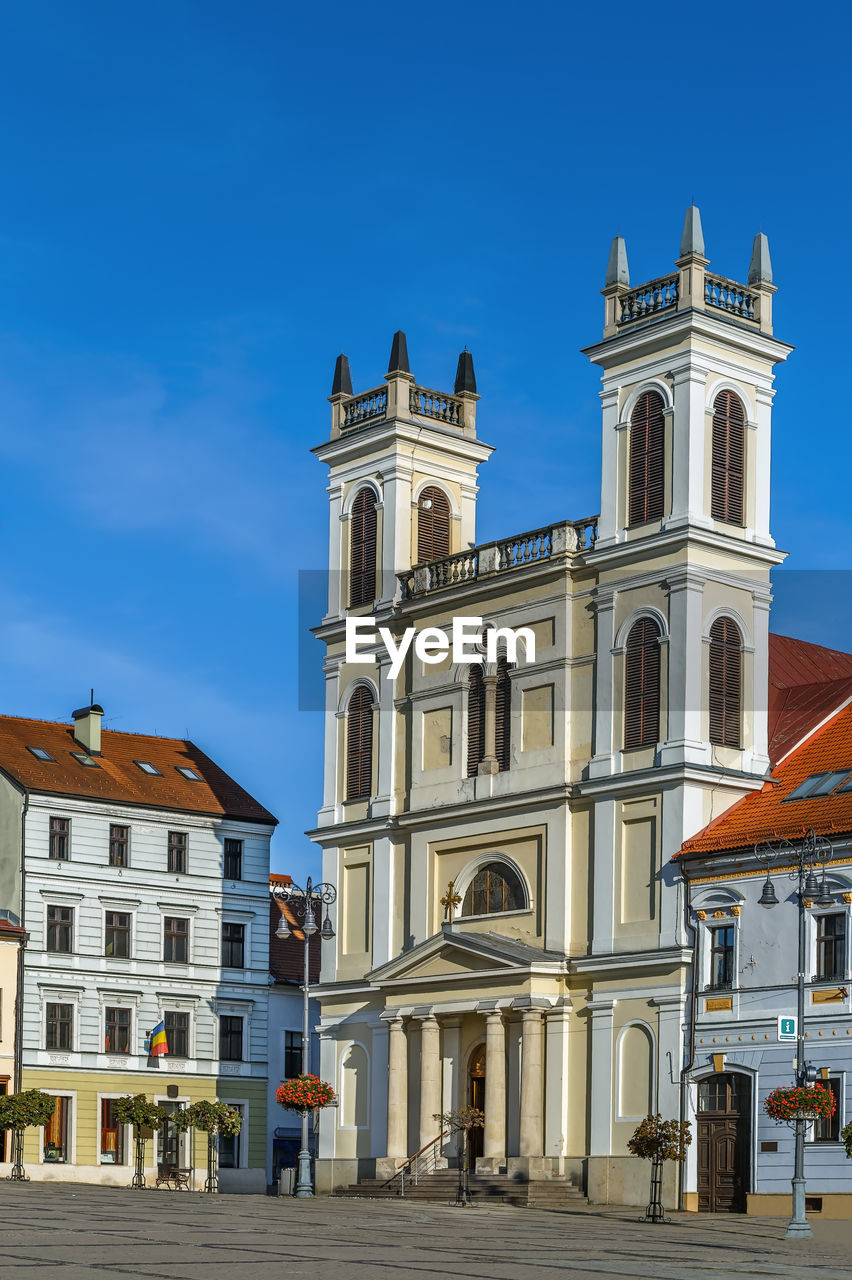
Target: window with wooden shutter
(647, 459)
(433, 525)
(359, 744)
(362, 549)
(725, 683)
(503, 716)
(642, 684)
(726, 500)
(475, 720)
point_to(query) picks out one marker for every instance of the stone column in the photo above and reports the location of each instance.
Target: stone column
(430, 1079)
(397, 1090)
(489, 763)
(494, 1138)
(531, 1058)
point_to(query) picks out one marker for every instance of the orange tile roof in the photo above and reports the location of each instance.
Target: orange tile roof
(806, 683)
(118, 778)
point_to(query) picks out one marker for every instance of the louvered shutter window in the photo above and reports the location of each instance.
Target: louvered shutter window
(647, 459)
(362, 549)
(725, 683)
(726, 501)
(503, 726)
(642, 684)
(433, 525)
(359, 745)
(475, 720)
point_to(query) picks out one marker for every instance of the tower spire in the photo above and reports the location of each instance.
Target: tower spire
(617, 270)
(692, 240)
(398, 362)
(760, 267)
(342, 382)
(465, 377)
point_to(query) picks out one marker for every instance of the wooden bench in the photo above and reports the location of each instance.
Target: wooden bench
(174, 1178)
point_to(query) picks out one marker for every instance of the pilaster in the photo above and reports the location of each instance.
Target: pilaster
(601, 1009)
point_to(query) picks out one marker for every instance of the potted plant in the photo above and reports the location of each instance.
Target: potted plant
(31, 1108)
(800, 1102)
(212, 1118)
(146, 1117)
(659, 1140)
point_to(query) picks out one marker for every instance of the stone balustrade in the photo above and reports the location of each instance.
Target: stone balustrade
(648, 299)
(437, 404)
(729, 296)
(502, 556)
(365, 407)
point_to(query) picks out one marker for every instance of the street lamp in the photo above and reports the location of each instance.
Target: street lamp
(302, 903)
(807, 858)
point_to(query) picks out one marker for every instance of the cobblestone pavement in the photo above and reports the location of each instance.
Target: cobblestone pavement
(92, 1233)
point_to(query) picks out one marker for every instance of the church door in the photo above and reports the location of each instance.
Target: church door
(724, 1139)
(476, 1098)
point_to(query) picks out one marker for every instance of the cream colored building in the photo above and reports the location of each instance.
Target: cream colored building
(550, 793)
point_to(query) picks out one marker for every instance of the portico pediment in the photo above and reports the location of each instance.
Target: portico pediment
(452, 953)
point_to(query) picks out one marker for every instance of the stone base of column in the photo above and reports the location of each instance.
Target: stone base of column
(490, 1164)
(387, 1166)
(532, 1168)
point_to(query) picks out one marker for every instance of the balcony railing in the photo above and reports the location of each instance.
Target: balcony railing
(648, 299)
(729, 296)
(499, 557)
(437, 404)
(365, 407)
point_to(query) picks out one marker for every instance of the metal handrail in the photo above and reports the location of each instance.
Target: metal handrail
(417, 1164)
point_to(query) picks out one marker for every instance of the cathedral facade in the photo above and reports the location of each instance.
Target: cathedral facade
(510, 930)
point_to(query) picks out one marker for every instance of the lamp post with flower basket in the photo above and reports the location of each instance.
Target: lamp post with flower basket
(303, 904)
(799, 1106)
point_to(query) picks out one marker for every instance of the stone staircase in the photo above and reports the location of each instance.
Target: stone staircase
(440, 1187)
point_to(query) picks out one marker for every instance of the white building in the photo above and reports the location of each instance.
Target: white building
(143, 870)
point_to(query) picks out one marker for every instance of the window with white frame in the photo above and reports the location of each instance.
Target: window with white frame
(828, 1130)
(720, 951)
(231, 1145)
(830, 930)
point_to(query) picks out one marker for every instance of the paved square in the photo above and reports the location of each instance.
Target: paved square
(84, 1233)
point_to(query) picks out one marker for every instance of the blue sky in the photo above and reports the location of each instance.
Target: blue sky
(202, 203)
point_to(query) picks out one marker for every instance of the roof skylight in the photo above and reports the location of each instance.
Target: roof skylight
(41, 754)
(83, 759)
(819, 784)
(147, 767)
(188, 773)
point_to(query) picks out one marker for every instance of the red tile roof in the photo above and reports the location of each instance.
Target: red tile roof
(118, 778)
(287, 955)
(806, 683)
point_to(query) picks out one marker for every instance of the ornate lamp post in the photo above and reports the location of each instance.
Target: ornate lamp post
(807, 858)
(303, 902)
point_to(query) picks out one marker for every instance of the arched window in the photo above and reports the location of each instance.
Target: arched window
(503, 716)
(359, 744)
(726, 502)
(495, 887)
(362, 549)
(642, 684)
(475, 720)
(647, 459)
(433, 525)
(725, 683)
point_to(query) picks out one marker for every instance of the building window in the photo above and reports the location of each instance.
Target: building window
(722, 956)
(831, 946)
(60, 929)
(229, 1144)
(292, 1054)
(475, 720)
(233, 859)
(117, 934)
(60, 838)
(56, 1131)
(175, 940)
(726, 502)
(829, 1130)
(230, 1038)
(177, 852)
(117, 1031)
(359, 744)
(647, 459)
(233, 945)
(725, 683)
(59, 1026)
(119, 839)
(503, 716)
(494, 888)
(362, 549)
(112, 1134)
(177, 1033)
(642, 685)
(433, 525)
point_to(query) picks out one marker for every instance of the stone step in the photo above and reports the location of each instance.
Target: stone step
(492, 1188)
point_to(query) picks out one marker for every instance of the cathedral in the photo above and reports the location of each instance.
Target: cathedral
(511, 931)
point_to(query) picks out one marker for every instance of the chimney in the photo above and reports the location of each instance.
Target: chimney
(87, 728)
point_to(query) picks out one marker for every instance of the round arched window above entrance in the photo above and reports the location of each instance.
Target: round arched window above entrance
(496, 887)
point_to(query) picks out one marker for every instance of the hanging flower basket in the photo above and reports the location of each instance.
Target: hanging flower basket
(805, 1103)
(304, 1093)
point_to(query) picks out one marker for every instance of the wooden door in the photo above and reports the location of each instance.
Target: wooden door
(724, 1141)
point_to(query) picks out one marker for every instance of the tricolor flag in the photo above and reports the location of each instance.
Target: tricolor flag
(159, 1044)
